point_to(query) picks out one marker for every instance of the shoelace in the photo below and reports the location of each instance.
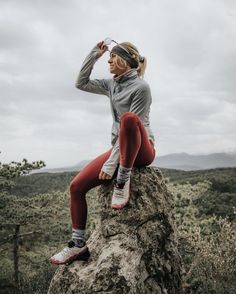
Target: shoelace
(119, 192)
(65, 251)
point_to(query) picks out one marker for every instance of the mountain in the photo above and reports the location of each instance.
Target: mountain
(180, 161)
(185, 161)
(76, 167)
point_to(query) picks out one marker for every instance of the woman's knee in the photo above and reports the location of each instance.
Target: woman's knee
(75, 189)
(129, 119)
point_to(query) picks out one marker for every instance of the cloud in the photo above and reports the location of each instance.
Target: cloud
(190, 47)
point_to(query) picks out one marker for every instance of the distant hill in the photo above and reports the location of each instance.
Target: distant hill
(72, 168)
(185, 161)
(180, 161)
(40, 183)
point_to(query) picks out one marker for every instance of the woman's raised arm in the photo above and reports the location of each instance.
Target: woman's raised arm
(83, 82)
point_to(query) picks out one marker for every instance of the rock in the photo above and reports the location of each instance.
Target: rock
(133, 250)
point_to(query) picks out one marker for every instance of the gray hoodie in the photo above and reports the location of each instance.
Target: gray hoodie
(128, 93)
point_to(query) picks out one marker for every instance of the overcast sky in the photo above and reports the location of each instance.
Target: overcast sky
(190, 46)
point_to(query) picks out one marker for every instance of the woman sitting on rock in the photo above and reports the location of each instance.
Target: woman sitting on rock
(131, 138)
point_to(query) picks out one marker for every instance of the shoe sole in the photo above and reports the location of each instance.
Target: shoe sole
(84, 256)
(115, 206)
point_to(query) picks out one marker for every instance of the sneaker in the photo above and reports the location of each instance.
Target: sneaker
(71, 253)
(121, 195)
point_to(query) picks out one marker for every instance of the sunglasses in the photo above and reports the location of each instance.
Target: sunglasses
(107, 41)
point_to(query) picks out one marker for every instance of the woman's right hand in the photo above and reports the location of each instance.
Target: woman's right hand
(103, 48)
(104, 176)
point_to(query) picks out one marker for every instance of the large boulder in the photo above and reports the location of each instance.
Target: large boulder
(133, 250)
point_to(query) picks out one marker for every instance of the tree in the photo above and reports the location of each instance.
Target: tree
(8, 173)
(13, 170)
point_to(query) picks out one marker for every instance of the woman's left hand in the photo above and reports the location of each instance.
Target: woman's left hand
(104, 176)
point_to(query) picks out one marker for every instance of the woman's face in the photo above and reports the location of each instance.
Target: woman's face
(114, 68)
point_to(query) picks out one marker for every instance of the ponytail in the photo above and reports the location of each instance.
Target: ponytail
(142, 61)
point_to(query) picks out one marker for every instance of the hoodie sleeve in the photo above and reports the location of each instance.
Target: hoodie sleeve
(83, 81)
(140, 105)
(111, 164)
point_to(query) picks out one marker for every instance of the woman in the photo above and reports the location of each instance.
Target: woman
(132, 139)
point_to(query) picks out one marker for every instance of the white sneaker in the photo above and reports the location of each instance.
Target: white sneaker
(120, 195)
(70, 253)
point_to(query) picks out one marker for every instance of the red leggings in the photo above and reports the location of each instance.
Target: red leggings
(135, 150)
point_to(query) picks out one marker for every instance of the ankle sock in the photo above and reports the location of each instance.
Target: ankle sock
(78, 234)
(123, 174)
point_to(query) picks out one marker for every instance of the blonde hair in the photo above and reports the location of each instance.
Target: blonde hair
(122, 64)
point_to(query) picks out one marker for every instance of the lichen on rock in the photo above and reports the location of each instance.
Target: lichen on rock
(133, 250)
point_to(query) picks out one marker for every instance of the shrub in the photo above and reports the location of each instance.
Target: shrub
(213, 264)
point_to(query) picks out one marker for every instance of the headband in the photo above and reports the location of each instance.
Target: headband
(126, 55)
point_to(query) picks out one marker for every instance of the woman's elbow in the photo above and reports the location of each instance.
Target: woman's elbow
(79, 85)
